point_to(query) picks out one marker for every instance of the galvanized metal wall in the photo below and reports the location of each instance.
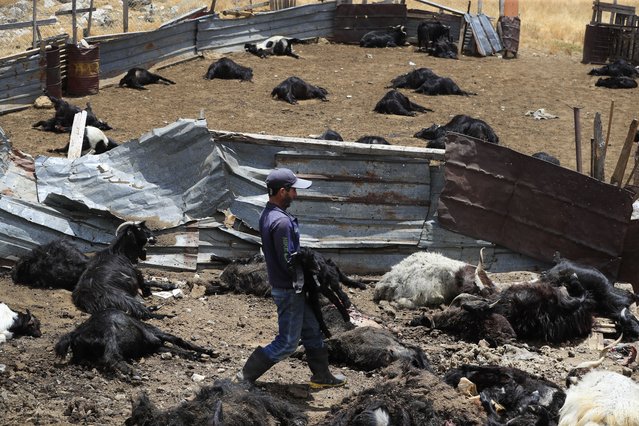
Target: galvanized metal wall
(308, 21)
(146, 49)
(21, 81)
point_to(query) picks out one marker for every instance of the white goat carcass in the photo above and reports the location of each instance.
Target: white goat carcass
(430, 279)
(601, 398)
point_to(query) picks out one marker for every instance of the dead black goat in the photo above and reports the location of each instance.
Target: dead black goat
(323, 276)
(137, 78)
(223, 404)
(524, 399)
(111, 279)
(294, 88)
(111, 337)
(394, 102)
(65, 112)
(57, 264)
(227, 69)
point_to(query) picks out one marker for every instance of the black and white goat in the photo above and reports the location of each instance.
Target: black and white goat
(57, 264)
(111, 337)
(15, 324)
(430, 279)
(93, 142)
(394, 102)
(137, 78)
(65, 112)
(522, 398)
(275, 45)
(586, 281)
(224, 403)
(228, 69)
(111, 279)
(294, 88)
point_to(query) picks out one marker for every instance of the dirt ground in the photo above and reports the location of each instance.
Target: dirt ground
(36, 388)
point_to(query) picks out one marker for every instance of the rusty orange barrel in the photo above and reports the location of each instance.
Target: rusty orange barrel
(83, 70)
(53, 74)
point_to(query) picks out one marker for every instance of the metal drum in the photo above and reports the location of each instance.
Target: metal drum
(83, 70)
(53, 74)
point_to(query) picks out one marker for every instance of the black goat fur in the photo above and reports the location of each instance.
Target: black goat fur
(394, 102)
(137, 78)
(111, 337)
(227, 69)
(294, 88)
(62, 121)
(373, 140)
(527, 399)
(111, 279)
(413, 79)
(222, 404)
(369, 348)
(57, 264)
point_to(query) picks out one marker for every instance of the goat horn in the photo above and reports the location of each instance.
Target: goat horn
(602, 356)
(124, 225)
(606, 349)
(480, 268)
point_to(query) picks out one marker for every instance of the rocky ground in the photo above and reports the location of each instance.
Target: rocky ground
(37, 388)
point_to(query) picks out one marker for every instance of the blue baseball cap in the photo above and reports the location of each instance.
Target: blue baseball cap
(280, 178)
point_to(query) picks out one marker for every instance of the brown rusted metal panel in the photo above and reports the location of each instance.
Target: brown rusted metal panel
(531, 206)
(352, 21)
(629, 271)
(508, 29)
(597, 41)
(83, 70)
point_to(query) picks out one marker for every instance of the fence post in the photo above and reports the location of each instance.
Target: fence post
(577, 138)
(74, 23)
(33, 28)
(125, 16)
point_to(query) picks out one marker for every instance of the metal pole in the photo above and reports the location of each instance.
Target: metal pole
(577, 138)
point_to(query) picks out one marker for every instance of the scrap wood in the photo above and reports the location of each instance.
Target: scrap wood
(620, 169)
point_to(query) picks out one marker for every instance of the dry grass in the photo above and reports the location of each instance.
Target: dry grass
(548, 25)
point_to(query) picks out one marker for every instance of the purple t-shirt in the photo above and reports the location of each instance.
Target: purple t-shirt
(280, 238)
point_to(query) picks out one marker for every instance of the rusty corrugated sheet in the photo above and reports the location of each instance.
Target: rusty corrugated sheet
(629, 271)
(531, 206)
(352, 21)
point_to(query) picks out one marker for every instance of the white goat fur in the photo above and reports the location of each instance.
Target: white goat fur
(7, 318)
(422, 279)
(601, 398)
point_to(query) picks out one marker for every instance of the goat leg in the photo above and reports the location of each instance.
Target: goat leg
(337, 301)
(160, 285)
(177, 341)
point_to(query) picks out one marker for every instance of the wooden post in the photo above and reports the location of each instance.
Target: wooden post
(598, 154)
(77, 135)
(620, 169)
(88, 31)
(612, 109)
(34, 42)
(480, 4)
(125, 16)
(212, 10)
(74, 24)
(577, 138)
(501, 7)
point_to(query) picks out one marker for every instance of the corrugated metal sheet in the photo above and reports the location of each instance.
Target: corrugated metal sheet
(145, 49)
(532, 207)
(352, 21)
(21, 81)
(486, 39)
(307, 21)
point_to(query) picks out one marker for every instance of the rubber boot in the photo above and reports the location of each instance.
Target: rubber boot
(256, 365)
(317, 360)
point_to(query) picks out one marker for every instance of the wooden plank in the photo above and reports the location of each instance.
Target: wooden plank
(77, 135)
(27, 24)
(440, 7)
(620, 169)
(598, 152)
(70, 12)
